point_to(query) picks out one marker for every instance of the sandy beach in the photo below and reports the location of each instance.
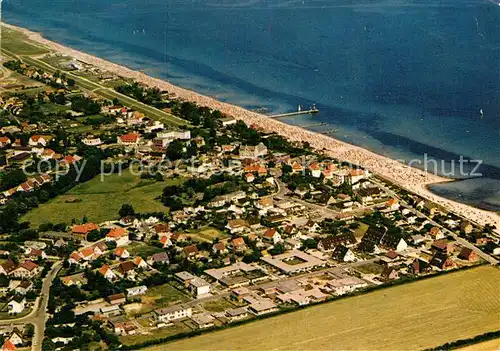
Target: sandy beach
(413, 179)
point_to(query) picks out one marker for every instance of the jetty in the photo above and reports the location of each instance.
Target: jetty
(299, 112)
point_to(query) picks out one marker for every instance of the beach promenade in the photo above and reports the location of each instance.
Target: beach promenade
(412, 179)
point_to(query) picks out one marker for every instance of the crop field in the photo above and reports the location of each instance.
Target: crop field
(101, 200)
(417, 315)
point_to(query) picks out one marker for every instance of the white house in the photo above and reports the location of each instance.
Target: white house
(119, 236)
(227, 121)
(36, 140)
(199, 286)
(92, 141)
(169, 136)
(401, 246)
(136, 290)
(27, 269)
(272, 234)
(173, 313)
(107, 272)
(16, 305)
(343, 254)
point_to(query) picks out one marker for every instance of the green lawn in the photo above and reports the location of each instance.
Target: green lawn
(370, 268)
(101, 200)
(19, 44)
(164, 295)
(207, 234)
(218, 305)
(142, 249)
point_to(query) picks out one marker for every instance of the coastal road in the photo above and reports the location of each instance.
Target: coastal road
(38, 315)
(104, 91)
(109, 93)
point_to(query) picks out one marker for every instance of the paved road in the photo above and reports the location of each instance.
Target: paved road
(108, 92)
(37, 316)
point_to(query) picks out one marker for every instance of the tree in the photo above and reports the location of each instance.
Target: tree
(126, 210)
(12, 179)
(30, 330)
(175, 150)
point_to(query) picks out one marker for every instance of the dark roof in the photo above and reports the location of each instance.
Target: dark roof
(159, 257)
(373, 236)
(419, 265)
(9, 266)
(465, 253)
(490, 246)
(116, 297)
(126, 267)
(190, 250)
(20, 157)
(368, 191)
(330, 242)
(439, 259)
(339, 252)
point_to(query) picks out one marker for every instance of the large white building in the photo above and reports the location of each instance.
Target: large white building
(173, 313)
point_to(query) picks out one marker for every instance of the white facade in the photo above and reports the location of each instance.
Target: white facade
(15, 307)
(173, 313)
(92, 142)
(138, 290)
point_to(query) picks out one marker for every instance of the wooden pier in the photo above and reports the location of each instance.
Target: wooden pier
(299, 112)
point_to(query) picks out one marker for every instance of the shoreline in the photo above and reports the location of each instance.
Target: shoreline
(407, 177)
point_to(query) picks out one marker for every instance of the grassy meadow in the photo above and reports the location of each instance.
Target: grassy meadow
(19, 44)
(101, 200)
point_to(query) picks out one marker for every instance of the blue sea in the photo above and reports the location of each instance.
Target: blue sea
(402, 78)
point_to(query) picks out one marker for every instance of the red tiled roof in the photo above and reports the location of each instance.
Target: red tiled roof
(269, 233)
(28, 265)
(103, 270)
(88, 251)
(117, 233)
(119, 251)
(76, 256)
(130, 138)
(84, 228)
(8, 346)
(190, 250)
(238, 242)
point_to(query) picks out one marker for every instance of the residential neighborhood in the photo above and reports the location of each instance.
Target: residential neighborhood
(249, 224)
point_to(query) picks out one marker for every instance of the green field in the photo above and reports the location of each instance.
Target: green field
(18, 43)
(218, 305)
(412, 316)
(207, 234)
(142, 249)
(101, 200)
